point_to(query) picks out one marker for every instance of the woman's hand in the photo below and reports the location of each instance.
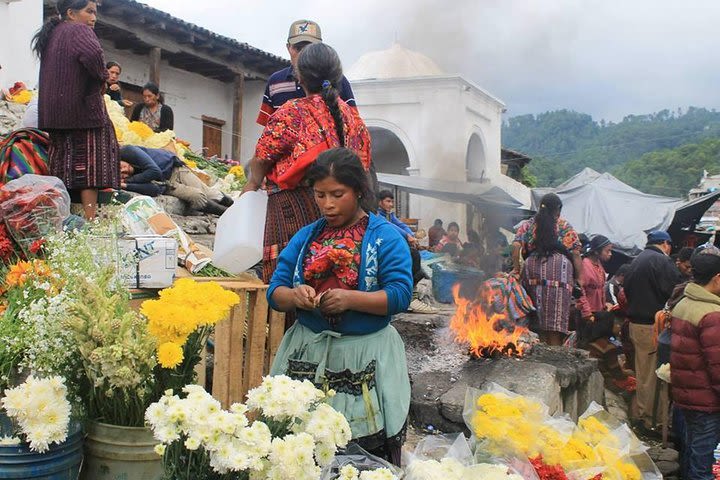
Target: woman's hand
(304, 297)
(115, 87)
(128, 103)
(335, 301)
(250, 187)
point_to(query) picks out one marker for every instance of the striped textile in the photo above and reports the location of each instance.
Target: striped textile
(23, 151)
(87, 158)
(549, 282)
(288, 211)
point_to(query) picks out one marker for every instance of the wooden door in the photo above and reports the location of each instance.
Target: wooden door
(132, 93)
(212, 136)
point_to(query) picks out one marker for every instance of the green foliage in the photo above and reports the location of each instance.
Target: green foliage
(564, 142)
(672, 172)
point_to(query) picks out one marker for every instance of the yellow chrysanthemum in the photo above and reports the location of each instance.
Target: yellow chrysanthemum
(142, 130)
(190, 164)
(183, 309)
(169, 355)
(238, 172)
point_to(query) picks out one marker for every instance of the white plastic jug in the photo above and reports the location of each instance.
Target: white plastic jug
(240, 233)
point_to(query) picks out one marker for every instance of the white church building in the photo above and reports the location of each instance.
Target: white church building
(429, 124)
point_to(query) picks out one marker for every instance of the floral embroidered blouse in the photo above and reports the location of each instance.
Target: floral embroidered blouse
(567, 236)
(333, 258)
(299, 131)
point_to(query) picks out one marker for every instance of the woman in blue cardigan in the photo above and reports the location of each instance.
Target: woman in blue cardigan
(346, 275)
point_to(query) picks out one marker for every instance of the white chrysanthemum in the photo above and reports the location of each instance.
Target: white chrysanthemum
(349, 472)
(41, 409)
(281, 397)
(384, 474)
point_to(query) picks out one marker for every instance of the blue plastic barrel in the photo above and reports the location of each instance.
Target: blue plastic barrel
(60, 462)
(446, 276)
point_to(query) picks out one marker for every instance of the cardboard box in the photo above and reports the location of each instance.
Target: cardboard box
(149, 261)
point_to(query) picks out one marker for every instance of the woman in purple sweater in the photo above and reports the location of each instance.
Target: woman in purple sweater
(83, 149)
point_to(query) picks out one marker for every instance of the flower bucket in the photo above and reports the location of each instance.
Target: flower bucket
(60, 462)
(120, 453)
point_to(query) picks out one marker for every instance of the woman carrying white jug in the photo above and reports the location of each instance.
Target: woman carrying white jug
(293, 138)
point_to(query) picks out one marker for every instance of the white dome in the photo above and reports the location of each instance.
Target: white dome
(395, 62)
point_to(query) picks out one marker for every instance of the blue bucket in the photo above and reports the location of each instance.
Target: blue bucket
(60, 462)
(446, 276)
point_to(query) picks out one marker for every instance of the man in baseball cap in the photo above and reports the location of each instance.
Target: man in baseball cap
(304, 31)
(283, 85)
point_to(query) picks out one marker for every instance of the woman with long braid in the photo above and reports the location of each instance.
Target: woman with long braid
(293, 138)
(553, 267)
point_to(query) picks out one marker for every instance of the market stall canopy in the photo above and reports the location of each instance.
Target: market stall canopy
(599, 203)
(482, 195)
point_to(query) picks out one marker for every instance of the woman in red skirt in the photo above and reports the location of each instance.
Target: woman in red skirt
(553, 266)
(293, 138)
(83, 150)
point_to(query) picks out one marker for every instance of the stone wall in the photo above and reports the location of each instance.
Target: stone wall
(441, 372)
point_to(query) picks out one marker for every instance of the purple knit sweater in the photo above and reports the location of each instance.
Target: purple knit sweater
(72, 75)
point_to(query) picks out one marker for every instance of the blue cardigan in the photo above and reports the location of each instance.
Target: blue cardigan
(385, 264)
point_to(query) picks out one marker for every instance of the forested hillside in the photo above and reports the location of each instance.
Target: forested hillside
(564, 142)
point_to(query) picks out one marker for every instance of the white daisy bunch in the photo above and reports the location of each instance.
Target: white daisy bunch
(41, 409)
(330, 430)
(291, 457)
(452, 469)
(200, 423)
(282, 398)
(349, 472)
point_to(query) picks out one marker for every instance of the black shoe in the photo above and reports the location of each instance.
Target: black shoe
(214, 208)
(226, 201)
(643, 430)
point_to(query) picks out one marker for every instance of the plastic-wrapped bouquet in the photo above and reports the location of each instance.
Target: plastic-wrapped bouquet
(41, 411)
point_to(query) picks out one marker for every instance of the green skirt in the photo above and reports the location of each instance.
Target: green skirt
(368, 373)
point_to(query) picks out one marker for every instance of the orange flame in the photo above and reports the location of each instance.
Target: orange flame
(478, 325)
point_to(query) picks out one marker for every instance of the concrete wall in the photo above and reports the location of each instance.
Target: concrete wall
(19, 20)
(191, 95)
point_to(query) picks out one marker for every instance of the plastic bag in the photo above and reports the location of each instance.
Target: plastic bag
(143, 216)
(449, 457)
(360, 459)
(34, 206)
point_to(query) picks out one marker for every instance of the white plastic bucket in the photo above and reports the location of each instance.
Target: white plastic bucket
(240, 233)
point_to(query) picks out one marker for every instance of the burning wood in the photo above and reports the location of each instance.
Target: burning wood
(485, 326)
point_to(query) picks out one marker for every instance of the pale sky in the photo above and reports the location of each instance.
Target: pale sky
(608, 58)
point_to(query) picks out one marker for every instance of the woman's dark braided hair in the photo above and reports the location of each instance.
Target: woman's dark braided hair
(42, 37)
(546, 240)
(321, 72)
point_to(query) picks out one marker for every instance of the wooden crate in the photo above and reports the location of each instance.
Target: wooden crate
(246, 342)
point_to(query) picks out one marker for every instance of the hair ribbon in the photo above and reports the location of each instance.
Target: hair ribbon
(326, 84)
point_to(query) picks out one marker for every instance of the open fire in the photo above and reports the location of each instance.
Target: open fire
(484, 325)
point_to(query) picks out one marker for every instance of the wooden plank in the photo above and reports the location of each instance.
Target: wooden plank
(275, 336)
(155, 55)
(256, 336)
(221, 364)
(170, 45)
(238, 93)
(235, 368)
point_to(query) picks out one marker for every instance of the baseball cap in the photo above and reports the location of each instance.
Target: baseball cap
(304, 31)
(658, 236)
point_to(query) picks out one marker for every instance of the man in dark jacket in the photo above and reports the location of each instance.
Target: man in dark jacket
(695, 365)
(648, 284)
